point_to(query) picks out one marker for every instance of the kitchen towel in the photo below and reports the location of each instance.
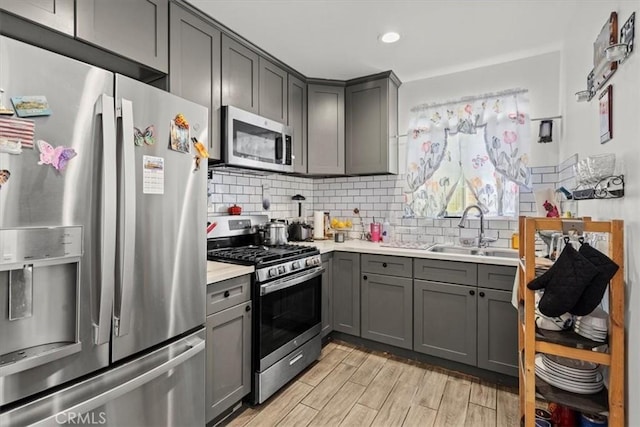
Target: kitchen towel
(318, 225)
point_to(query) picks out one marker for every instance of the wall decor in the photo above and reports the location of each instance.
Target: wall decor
(605, 104)
(602, 67)
(474, 150)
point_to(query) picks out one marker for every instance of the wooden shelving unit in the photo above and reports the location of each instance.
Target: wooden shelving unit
(568, 344)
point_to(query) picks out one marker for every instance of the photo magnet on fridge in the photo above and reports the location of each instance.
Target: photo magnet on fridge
(179, 134)
(31, 106)
(4, 177)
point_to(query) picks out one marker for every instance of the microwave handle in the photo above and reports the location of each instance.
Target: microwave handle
(279, 150)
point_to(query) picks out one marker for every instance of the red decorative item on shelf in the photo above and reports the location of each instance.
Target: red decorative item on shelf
(234, 210)
(561, 416)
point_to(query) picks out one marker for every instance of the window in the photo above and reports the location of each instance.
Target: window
(474, 151)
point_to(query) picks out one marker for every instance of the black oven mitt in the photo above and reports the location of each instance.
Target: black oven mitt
(594, 292)
(564, 282)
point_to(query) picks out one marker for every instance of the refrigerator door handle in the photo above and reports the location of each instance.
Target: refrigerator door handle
(137, 382)
(104, 108)
(127, 235)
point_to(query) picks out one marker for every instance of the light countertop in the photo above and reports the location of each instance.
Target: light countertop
(219, 271)
(377, 248)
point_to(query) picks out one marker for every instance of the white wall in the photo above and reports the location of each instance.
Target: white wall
(582, 136)
(539, 74)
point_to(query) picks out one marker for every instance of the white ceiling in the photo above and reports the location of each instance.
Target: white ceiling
(338, 39)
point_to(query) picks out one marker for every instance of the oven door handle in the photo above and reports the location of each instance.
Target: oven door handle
(290, 281)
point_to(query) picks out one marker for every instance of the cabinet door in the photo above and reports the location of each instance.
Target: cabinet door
(297, 119)
(273, 91)
(327, 307)
(497, 332)
(135, 29)
(326, 130)
(239, 76)
(346, 292)
(387, 312)
(445, 320)
(228, 356)
(195, 67)
(54, 14)
(367, 127)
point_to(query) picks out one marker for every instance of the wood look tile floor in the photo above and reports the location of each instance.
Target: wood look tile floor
(349, 386)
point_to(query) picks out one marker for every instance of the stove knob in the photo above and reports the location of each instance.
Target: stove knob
(295, 265)
(309, 262)
(272, 272)
(282, 269)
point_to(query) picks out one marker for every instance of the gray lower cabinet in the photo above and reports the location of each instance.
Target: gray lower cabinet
(55, 14)
(445, 320)
(297, 119)
(228, 344)
(327, 307)
(345, 287)
(497, 332)
(195, 67)
(387, 313)
(326, 129)
(371, 123)
(240, 70)
(135, 29)
(273, 91)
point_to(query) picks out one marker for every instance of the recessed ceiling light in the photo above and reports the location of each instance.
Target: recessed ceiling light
(390, 37)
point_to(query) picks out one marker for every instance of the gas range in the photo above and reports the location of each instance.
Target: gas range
(271, 261)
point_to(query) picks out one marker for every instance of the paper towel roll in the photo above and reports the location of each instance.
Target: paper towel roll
(318, 225)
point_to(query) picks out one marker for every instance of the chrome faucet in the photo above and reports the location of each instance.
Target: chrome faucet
(482, 241)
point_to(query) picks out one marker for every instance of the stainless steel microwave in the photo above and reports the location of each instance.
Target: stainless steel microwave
(252, 141)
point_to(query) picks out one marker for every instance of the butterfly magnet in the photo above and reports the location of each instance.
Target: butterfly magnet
(57, 157)
(146, 137)
(4, 177)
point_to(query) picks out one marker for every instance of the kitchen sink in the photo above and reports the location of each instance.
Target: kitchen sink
(461, 250)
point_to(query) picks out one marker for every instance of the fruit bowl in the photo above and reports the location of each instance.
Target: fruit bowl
(340, 224)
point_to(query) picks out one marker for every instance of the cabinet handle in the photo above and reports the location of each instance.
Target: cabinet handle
(364, 277)
(247, 308)
(481, 294)
(472, 292)
(384, 264)
(226, 294)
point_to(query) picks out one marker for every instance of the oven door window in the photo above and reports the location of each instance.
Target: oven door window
(287, 313)
(256, 143)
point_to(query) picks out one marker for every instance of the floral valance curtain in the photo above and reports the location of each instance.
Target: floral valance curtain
(481, 143)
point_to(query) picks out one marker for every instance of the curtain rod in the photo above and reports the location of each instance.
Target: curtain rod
(427, 106)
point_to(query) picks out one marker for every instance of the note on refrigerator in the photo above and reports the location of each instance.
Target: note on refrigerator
(152, 175)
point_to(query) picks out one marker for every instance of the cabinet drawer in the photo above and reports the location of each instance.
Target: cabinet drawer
(389, 265)
(228, 293)
(461, 273)
(496, 276)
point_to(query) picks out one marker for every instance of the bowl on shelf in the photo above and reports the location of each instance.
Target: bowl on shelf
(601, 166)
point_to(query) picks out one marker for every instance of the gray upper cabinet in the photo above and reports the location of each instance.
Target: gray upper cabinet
(386, 309)
(195, 67)
(346, 292)
(273, 91)
(297, 119)
(326, 130)
(371, 124)
(497, 332)
(445, 320)
(240, 68)
(55, 14)
(327, 307)
(135, 29)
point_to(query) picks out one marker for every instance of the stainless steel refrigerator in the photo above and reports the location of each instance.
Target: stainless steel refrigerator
(102, 247)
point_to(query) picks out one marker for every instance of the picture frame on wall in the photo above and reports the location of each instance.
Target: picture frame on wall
(605, 113)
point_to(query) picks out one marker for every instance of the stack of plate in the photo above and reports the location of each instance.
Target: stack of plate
(593, 326)
(572, 375)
